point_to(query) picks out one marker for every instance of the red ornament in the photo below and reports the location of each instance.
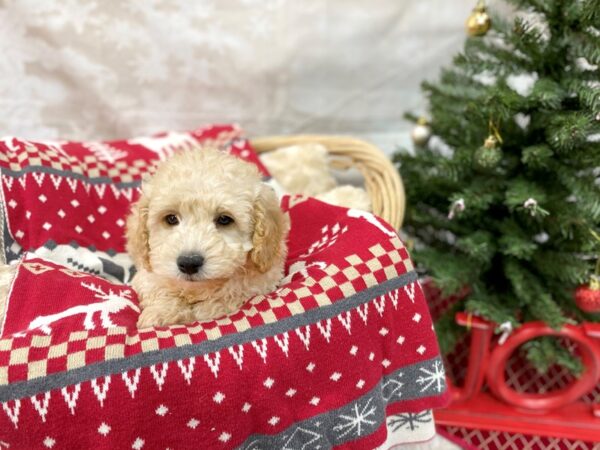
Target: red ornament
(587, 296)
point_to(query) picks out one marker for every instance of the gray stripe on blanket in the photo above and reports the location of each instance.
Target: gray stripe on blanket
(361, 417)
(59, 380)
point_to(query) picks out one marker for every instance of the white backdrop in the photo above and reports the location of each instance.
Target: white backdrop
(107, 69)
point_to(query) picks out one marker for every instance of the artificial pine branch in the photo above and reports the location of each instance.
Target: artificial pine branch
(521, 239)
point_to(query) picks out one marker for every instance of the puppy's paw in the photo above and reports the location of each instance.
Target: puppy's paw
(149, 318)
(160, 317)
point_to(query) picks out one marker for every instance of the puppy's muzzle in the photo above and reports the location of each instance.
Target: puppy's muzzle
(190, 264)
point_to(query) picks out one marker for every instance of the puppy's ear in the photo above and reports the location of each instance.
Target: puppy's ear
(270, 229)
(137, 234)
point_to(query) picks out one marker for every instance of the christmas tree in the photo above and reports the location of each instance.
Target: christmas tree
(504, 199)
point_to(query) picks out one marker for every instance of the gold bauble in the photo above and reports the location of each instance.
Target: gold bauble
(479, 22)
(487, 157)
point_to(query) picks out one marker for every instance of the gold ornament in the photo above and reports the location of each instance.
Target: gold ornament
(487, 157)
(479, 22)
(421, 132)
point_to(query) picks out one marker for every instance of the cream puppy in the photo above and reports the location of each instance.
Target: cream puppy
(205, 235)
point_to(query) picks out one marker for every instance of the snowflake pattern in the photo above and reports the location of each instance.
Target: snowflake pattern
(433, 378)
(361, 420)
(409, 421)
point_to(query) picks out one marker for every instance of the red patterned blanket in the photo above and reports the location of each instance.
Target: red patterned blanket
(343, 346)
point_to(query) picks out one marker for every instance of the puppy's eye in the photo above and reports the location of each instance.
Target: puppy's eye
(224, 220)
(171, 219)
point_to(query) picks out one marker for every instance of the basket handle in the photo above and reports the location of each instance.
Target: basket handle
(382, 181)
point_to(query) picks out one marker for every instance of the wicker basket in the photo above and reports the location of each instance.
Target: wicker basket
(382, 181)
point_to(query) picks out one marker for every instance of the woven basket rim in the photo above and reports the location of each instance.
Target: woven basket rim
(382, 181)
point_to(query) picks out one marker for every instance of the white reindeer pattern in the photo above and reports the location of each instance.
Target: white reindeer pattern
(111, 302)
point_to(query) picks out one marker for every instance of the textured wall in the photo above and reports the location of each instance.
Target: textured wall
(106, 69)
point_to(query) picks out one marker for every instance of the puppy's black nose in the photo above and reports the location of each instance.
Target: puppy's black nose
(190, 264)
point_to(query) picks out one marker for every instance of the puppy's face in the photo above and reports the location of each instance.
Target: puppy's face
(204, 216)
(199, 237)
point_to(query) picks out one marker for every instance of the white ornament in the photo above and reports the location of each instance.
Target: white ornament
(532, 206)
(530, 203)
(421, 133)
(456, 207)
(506, 329)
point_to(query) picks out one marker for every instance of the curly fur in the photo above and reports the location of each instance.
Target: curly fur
(242, 259)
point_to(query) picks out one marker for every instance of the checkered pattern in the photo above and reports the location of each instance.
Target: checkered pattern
(75, 158)
(39, 356)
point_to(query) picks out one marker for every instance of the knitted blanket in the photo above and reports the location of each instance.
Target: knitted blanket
(341, 355)
(343, 343)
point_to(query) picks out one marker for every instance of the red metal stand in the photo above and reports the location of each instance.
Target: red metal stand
(559, 413)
